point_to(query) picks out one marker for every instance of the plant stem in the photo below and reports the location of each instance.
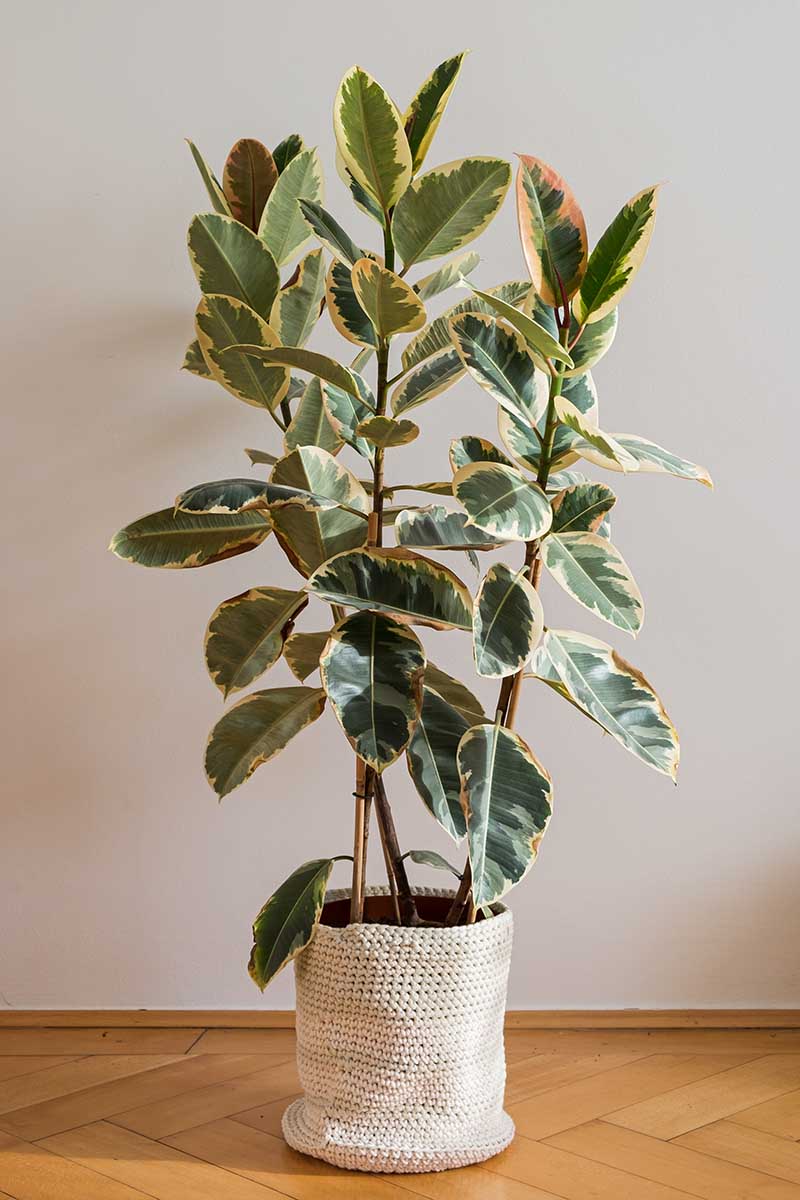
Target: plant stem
(408, 909)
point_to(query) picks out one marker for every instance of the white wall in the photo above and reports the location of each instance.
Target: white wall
(122, 881)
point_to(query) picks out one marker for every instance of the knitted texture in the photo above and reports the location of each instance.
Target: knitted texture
(400, 1044)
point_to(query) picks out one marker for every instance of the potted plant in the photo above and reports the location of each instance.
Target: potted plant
(401, 990)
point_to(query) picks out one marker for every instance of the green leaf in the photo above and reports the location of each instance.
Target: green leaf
(536, 336)
(310, 425)
(501, 502)
(370, 137)
(222, 322)
(471, 449)
(552, 229)
(425, 111)
(436, 336)
(193, 361)
(582, 508)
(310, 538)
(519, 438)
(497, 358)
(457, 695)
(385, 433)
(649, 458)
(288, 921)
(431, 378)
(330, 233)
(613, 693)
(282, 227)
(591, 437)
(435, 528)
(391, 305)
(261, 456)
(506, 796)
(255, 730)
(436, 488)
(303, 651)
(250, 175)
(305, 360)
(229, 260)
(447, 276)
(245, 635)
(410, 588)
(372, 669)
(430, 858)
(297, 306)
(507, 622)
(595, 341)
(215, 193)
(617, 257)
(431, 761)
(596, 575)
(286, 150)
(243, 495)
(178, 539)
(346, 411)
(361, 197)
(448, 207)
(347, 315)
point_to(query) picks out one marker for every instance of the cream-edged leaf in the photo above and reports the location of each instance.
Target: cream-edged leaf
(472, 449)
(507, 622)
(447, 276)
(371, 139)
(499, 500)
(650, 458)
(330, 233)
(344, 309)
(498, 359)
(222, 322)
(448, 207)
(307, 537)
(582, 508)
(536, 336)
(422, 117)
(391, 305)
(176, 540)
(310, 425)
(455, 693)
(282, 227)
(436, 528)
(432, 377)
(347, 410)
(194, 362)
(288, 921)
(617, 257)
(436, 336)
(604, 445)
(245, 635)
(552, 229)
(596, 575)
(303, 651)
(216, 195)
(431, 760)
(321, 365)
(230, 260)
(297, 306)
(385, 433)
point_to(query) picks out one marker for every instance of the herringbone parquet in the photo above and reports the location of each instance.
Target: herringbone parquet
(193, 1114)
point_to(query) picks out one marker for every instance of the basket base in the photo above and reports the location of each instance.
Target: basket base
(301, 1136)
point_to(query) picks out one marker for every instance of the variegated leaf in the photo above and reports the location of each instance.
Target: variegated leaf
(297, 306)
(288, 921)
(361, 197)
(432, 377)
(588, 343)
(255, 730)
(261, 456)
(430, 858)
(472, 449)
(410, 588)
(455, 693)
(596, 575)
(347, 315)
(500, 501)
(250, 175)
(391, 305)
(436, 336)
(385, 433)
(310, 425)
(425, 111)
(536, 336)
(371, 139)
(617, 257)
(436, 528)
(229, 260)
(243, 495)
(650, 458)
(497, 358)
(222, 322)
(447, 276)
(507, 622)
(330, 233)
(282, 227)
(552, 229)
(605, 446)
(448, 207)
(310, 538)
(245, 635)
(178, 540)
(346, 411)
(194, 362)
(524, 444)
(216, 195)
(507, 800)
(564, 479)
(372, 670)
(305, 360)
(303, 651)
(286, 150)
(582, 508)
(431, 761)
(613, 693)
(434, 488)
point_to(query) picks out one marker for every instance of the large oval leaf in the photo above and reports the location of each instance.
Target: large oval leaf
(347, 315)
(455, 693)
(298, 305)
(255, 730)
(230, 260)
(288, 921)
(436, 336)
(596, 575)
(617, 257)
(330, 233)
(391, 305)
(411, 588)
(310, 538)
(582, 508)
(303, 651)
(250, 175)
(472, 449)
(371, 139)
(305, 360)
(242, 495)
(222, 322)
(431, 378)
(436, 528)
(498, 359)
(178, 539)
(448, 207)
(613, 693)
(346, 411)
(384, 432)
(245, 635)
(431, 760)
(501, 501)
(310, 425)
(507, 622)
(372, 669)
(425, 111)
(649, 457)
(282, 227)
(506, 796)
(552, 229)
(536, 336)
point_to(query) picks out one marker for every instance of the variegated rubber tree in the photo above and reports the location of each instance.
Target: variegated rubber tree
(530, 344)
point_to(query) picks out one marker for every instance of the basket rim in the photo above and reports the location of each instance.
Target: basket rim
(499, 925)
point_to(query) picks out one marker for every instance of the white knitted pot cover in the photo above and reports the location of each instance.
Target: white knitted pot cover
(400, 1044)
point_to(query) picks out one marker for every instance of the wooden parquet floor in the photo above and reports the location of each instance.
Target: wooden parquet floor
(194, 1114)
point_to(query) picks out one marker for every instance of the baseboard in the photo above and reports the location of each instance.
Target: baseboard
(622, 1018)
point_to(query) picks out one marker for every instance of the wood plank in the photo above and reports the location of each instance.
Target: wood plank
(246, 1041)
(700, 1103)
(266, 1118)
(780, 1116)
(32, 1173)
(158, 1170)
(670, 1163)
(166, 1117)
(749, 1147)
(664, 1041)
(147, 1018)
(14, 1065)
(97, 1041)
(468, 1183)
(75, 1076)
(529, 1077)
(105, 1100)
(575, 1103)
